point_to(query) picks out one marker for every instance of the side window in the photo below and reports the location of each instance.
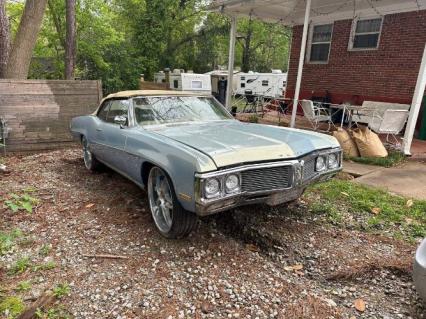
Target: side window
(319, 49)
(365, 34)
(117, 108)
(103, 112)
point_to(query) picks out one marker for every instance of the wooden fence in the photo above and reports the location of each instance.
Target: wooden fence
(38, 112)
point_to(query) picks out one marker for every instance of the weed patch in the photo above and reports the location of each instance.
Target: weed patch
(21, 202)
(61, 290)
(369, 208)
(8, 240)
(393, 158)
(11, 307)
(20, 266)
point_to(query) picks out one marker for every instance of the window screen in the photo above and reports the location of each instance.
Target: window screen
(366, 34)
(321, 42)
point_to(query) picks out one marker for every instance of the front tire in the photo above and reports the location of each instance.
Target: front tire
(90, 161)
(170, 218)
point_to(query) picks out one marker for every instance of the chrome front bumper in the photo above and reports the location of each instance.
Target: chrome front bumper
(272, 198)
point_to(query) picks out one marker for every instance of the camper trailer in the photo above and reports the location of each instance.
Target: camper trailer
(190, 82)
(264, 84)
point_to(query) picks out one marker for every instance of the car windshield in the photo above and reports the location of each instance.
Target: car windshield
(151, 110)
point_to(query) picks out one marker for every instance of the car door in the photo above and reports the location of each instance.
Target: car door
(114, 134)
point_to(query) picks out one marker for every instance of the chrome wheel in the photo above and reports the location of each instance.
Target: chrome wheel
(87, 155)
(160, 199)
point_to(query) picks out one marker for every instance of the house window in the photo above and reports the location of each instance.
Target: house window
(366, 34)
(176, 84)
(243, 85)
(265, 82)
(320, 43)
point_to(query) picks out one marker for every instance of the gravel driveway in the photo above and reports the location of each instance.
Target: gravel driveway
(256, 262)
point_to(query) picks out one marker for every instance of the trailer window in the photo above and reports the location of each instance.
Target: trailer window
(265, 82)
(365, 34)
(320, 43)
(196, 85)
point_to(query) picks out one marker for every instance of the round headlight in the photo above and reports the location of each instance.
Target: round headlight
(212, 186)
(333, 160)
(320, 164)
(232, 183)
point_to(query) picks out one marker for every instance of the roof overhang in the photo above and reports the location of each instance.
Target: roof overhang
(291, 12)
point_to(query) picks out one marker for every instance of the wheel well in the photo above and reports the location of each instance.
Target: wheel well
(146, 167)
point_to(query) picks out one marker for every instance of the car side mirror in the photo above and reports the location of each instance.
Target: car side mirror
(120, 120)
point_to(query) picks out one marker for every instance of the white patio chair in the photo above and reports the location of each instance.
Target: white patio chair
(390, 123)
(316, 114)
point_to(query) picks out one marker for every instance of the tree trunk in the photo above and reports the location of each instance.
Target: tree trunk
(22, 49)
(4, 38)
(70, 45)
(246, 59)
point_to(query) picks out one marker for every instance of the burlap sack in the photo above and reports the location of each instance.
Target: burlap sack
(369, 143)
(346, 143)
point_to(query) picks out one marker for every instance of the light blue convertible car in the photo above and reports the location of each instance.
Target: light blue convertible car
(194, 158)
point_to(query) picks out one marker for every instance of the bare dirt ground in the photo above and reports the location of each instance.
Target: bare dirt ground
(254, 262)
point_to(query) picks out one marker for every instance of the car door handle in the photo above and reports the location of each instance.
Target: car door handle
(99, 129)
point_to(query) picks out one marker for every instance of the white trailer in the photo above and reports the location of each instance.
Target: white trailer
(190, 82)
(264, 84)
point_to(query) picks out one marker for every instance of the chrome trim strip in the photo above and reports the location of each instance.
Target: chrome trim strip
(245, 168)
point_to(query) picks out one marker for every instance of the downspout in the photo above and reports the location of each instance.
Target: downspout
(301, 60)
(415, 106)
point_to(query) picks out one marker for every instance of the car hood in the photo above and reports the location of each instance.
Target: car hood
(233, 142)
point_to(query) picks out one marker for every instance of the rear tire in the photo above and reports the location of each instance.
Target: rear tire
(170, 218)
(90, 161)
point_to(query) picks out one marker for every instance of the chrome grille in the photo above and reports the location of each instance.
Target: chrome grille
(266, 179)
(309, 169)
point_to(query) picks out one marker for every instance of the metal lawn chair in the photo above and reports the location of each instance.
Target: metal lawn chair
(390, 123)
(316, 114)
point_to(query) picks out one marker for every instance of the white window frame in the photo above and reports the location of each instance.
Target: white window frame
(309, 46)
(353, 29)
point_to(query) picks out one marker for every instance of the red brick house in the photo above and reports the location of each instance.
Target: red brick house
(375, 58)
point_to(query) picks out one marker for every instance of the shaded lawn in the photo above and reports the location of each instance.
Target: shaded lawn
(366, 208)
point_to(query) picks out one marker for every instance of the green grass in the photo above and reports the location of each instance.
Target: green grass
(61, 290)
(20, 266)
(345, 202)
(23, 286)
(8, 240)
(57, 312)
(46, 266)
(11, 307)
(393, 158)
(44, 250)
